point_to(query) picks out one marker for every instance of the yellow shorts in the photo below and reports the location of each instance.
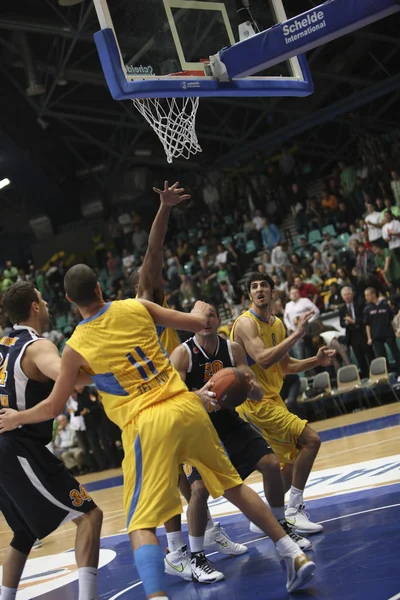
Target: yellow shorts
(156, 444)
(280, 428)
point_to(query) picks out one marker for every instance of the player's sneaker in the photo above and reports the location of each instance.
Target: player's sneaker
(300, 569)
(302, 542)
(218, 539)
(178, 563)
(299, 519)
(203, 571)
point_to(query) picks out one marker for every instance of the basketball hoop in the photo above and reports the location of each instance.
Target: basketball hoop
(173, 120)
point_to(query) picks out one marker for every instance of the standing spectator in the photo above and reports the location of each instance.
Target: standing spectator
(352, 320)
(395, 185)
(77, 423)
(347, 177)
(258, 220)
(128, 262)
(211, 197)
(280, 259)
(378, 317)
(308, 290)
(389, 265)
(295, 309)
(66, 446)
(140, 238)
(365, 261)
(270, 234)
(125, 221)
(222, 255)
(391, 233)
(374, 223)
(10, 272)
(330, 247)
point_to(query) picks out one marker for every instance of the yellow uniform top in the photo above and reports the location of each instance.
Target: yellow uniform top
(168, 337)
(127, 362)
(271, 379)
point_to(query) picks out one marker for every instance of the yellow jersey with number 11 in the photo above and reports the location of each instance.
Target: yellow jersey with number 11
(270, 379)
(129, 366)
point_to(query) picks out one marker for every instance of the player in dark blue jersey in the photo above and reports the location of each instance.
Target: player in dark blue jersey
(37, 492)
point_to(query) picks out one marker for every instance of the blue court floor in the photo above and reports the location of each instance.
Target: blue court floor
(357, 557)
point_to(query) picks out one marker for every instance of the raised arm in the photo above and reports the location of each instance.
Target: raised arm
(50, 408)
(256, 392)
(245, 333)
(293, 366)
(193, 321)
(151, 285)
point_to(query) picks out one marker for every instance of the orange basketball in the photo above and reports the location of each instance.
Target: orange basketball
(231, 387)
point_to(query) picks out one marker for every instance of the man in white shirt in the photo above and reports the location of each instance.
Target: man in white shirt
(66, 445)
(391, 232)
(296, 308)
(280, 259)
(258, 220)
(222, 255)
(374, 223)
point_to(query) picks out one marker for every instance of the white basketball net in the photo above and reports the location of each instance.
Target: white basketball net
(174, 121)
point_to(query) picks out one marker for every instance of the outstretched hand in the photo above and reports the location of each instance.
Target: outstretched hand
(207, 397)
(171, 195)
(325, 356)
(9, 419)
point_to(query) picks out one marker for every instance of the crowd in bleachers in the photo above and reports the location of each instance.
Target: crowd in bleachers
(342, 254)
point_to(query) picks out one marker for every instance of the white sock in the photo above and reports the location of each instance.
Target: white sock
(196, 543)
(210, 520)
(295, 497)
(87, 583)
(279, 513)
(175, 540)
(287, 547)
(8, 593)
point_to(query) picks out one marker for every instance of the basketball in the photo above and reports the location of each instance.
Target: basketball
(231, 387)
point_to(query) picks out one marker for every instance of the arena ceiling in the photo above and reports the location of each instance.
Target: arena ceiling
(71, 128)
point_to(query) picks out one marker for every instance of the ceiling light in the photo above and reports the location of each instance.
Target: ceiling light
(4, 183)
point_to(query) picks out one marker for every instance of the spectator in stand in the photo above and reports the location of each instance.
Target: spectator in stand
(182, 250)
(125, 221)
(248, 228)
(66, 446)
(281, 286)
(355, 234)
(389, 206)
(388, 264)
(115, 234)
(222, 255)
(310, 276)
(343, 217)
(374, 223)
(351, 314)
(10, 272)
(378, 317)
(347, 177)
(395, 185)
(187, 293)
(305, 251)
(329, 203)
(258, 220)
(293, 311)
(308, 290)
(312, 217)
(5, 283)
(295, 265)
(228, 297)
(114, 267)
(77, 423)
(266, 261)
(128, 262)
(391, 233)
(270, 234)
(365, 261)
(320, 264)
(330, 247)
(211, 197)
(334, 299)
(280, 259)
(140, 238)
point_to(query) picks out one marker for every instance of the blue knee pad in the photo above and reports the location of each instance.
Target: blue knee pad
(150, 565)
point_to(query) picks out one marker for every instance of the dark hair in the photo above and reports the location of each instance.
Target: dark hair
(256, 276)
(215, 307)
(17, 301)
(371, 290)
(80, 285)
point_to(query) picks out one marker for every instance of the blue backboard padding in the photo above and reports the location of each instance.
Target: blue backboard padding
(313, 28)
(121, 89)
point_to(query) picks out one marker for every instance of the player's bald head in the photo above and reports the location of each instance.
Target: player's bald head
(80, 284)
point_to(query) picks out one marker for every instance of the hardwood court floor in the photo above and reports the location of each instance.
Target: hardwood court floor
(359, 452)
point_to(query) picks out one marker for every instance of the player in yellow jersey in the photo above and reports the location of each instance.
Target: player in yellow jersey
(147, 281)
(295, 443)
(163, 424)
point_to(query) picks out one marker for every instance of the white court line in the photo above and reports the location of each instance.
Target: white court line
(357, 448)
(362, 512)
(396, 597)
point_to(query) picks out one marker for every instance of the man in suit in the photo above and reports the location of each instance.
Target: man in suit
(352, 319)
